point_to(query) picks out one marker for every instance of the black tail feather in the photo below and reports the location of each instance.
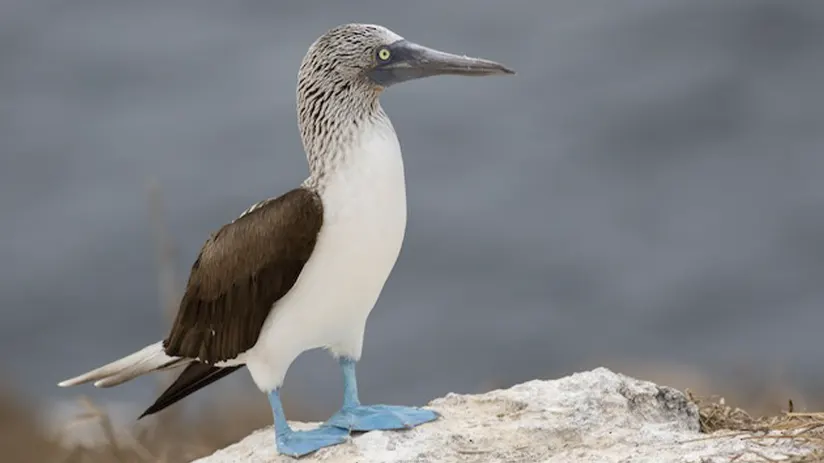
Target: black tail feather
(196, 376)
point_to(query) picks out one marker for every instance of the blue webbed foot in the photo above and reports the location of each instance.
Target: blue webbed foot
(300, 443)
(373, 417)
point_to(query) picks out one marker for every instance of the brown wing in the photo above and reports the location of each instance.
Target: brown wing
(196, 376)
(241, 271)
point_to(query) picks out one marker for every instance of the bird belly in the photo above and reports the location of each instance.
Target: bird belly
(357, 247)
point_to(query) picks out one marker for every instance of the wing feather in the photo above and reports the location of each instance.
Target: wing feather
(241, 271)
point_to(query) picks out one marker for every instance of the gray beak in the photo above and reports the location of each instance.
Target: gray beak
(409, 61)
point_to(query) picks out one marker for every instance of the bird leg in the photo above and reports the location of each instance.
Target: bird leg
(299, 443)
(356, 417)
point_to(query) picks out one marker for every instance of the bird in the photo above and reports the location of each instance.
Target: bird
(303, 270)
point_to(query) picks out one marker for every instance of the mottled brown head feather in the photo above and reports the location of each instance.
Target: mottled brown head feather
(335, 96)
(241, 271)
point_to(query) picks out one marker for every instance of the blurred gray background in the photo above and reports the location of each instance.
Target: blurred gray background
(646, 190)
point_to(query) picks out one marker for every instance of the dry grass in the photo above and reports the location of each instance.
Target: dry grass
(720, 419)
(167, 439)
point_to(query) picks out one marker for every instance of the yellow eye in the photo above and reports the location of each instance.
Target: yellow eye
(384, 54)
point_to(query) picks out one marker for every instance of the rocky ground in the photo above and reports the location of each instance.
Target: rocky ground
(594, 416)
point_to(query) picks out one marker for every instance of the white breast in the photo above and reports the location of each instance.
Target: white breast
(364, 202)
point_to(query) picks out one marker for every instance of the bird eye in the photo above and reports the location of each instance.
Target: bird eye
(384, 54)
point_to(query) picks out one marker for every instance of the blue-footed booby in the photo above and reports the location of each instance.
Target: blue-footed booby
(304, 270)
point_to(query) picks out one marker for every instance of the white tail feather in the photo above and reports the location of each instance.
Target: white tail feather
(146, 360)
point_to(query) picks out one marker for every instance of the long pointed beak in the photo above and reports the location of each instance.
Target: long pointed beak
(412, 61)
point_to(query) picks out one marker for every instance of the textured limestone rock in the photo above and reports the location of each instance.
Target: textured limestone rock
(595, 416)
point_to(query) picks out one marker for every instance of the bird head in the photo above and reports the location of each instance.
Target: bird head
(374, 56)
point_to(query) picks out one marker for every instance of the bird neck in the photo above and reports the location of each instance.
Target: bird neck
(334, 119)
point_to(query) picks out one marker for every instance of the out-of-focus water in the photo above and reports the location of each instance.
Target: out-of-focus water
(648, 188)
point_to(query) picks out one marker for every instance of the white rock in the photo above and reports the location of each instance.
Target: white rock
(595, 416)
